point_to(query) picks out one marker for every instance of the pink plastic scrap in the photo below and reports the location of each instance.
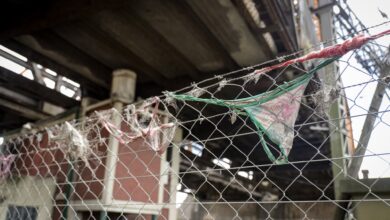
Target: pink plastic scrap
(143, 122)
(5, 165)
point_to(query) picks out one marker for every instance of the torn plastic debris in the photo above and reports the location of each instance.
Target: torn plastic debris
(222, 84)
(74, 144)
(196, 91)
(169, 101)
(5, 165)
(324, 98)
(144, 122)
(273, 112)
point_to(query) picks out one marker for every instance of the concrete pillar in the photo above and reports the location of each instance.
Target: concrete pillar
(122, 92)
(123, 86)
(175, 165)
(329, 77)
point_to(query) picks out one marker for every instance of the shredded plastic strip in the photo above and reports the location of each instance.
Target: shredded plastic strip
(248, 106)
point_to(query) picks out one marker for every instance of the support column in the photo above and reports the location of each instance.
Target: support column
(330, 78)
(175, 166)
(369, 123)
(122, 92)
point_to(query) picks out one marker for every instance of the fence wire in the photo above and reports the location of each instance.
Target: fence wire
(246, 145)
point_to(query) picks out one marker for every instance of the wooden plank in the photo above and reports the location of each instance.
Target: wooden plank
(34, 89)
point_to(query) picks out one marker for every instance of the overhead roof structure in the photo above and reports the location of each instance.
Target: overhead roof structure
(169, 44)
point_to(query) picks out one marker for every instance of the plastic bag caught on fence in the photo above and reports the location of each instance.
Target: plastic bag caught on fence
(74, 144)
(146, 122)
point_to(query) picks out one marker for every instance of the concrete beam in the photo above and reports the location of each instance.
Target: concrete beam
(21, 99)
(207, 56)
(88, 86)
(25, 17)
(135, 34)
(363, 186)
(22, 110)
(34, 89)
(51, 45)
(225, 22)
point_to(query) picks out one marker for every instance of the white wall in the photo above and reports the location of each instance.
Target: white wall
(28, 191)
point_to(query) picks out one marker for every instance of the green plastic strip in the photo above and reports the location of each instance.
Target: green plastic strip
(259, 99)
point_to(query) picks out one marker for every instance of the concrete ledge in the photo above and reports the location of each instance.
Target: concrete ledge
(359, 186)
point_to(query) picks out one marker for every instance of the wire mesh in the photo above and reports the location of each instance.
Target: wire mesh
(244, 145)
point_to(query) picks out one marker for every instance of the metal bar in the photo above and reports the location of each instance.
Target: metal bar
(70, 177)
(369, 123)
(15, 59)
(228, 183)
(68, 190)
(174, 176)
(37, 73)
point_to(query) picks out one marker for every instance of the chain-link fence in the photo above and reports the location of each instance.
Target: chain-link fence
(274, 141)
